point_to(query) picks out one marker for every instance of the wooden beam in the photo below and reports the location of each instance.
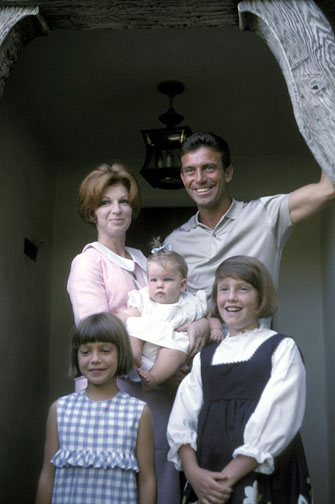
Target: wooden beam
(18, 25)
(302, 41)
(139, 14)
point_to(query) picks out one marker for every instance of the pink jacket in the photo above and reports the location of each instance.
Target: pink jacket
(100, 280)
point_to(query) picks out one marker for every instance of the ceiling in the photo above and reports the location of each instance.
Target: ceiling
(88, 94)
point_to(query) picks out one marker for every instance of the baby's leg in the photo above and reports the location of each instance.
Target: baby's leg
(167, 363)
(136, 346)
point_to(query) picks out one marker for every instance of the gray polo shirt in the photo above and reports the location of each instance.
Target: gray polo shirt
(258, 228)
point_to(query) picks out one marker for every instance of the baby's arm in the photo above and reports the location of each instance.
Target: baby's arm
(197, 330)
(136, 343)
(128, 312)
(145, 454)
(206, 484)
(46, 480)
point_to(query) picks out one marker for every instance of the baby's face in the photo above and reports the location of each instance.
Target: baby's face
(165, 283)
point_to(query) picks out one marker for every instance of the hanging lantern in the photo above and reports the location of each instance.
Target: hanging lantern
(162, 164)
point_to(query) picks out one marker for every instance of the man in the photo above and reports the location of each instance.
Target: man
(224, 227)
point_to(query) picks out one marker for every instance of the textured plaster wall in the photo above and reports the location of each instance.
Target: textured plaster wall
(26, 195)
(300, 316)
(328, 299)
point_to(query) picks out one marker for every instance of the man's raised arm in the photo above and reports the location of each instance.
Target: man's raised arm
(309, 199)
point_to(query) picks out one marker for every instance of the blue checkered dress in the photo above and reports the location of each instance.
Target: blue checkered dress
(96, 462)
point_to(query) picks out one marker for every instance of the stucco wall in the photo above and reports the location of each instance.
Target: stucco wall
(328, 300)
(26, 195)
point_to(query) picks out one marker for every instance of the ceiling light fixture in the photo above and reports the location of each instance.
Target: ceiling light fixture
(162, 163)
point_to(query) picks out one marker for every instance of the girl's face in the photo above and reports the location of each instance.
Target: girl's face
(113, 215)
(238, 302)
(98, 362)
(165, 283)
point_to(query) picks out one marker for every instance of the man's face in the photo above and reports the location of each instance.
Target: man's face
(204, 178)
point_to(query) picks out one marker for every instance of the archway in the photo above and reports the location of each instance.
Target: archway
(152, 18)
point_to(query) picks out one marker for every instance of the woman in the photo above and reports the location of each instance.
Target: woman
(100, 279)
(102, 275)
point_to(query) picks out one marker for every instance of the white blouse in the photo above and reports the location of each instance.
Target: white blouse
(278, 415)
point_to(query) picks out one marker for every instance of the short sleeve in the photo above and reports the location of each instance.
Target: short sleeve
(277, 210)
(135, 299)
(86, 286)
(202, 300)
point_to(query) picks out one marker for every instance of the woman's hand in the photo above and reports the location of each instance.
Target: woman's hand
(198, 333)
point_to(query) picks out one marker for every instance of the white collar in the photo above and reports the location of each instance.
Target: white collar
(122, 262)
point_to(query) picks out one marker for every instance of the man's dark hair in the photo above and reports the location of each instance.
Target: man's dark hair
(210, 140)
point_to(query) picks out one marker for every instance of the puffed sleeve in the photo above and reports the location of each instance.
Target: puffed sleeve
(135, 299)
(86, 287)
(280, 410)
(202, 301)
(183, 422)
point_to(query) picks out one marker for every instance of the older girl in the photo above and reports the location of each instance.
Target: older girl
(234, 427)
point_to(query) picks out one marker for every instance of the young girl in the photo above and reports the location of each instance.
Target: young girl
(99, 445)
(235, 421)
(163, 307)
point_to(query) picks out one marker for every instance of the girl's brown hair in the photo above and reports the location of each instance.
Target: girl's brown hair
(255, 273)
(95, 183)
(106, 328)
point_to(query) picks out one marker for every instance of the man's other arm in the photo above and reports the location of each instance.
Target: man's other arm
(308, 200)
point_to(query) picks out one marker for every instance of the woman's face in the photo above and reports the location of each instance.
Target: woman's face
(113, 215)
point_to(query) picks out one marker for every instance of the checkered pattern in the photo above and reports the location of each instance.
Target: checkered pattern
(96, 461)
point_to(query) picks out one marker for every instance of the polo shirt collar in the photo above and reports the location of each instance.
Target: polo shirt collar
(122, 262)
(232, 213)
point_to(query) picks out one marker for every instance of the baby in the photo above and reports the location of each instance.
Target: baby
(155, 312)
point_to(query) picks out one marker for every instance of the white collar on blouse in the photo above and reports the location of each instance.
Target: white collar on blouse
(242, 346)
(122, 262)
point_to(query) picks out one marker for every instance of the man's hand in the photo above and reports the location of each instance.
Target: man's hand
(198, 333)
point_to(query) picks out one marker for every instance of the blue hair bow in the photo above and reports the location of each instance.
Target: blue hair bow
(160, 249)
